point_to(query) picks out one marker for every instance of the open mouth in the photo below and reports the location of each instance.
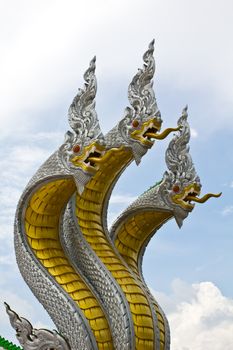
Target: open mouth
(193, 197)
(190, 195)
(93, 158)
(146, 133)
(150, 133)
(90, 159)
(187, 196)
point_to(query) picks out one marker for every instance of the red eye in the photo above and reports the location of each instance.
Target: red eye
(76, 148)
(176, 189)
(135, 123)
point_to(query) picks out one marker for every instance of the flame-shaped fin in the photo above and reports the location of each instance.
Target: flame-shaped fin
(140, 91)
(82, 115)
(32, 338)
(204, 198)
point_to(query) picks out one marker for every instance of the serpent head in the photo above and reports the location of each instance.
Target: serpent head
(86, 140)
(181, 185)
(142, 121)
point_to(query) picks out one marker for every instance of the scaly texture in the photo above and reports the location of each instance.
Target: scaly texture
(144, 111)
(94, 291)
(110, 295)
(42, 231)
(88, 206)
(169, 198)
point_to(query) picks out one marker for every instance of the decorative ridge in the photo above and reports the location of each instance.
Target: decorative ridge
(82, 115)
(34, 339)
(143, 114)
(178, 158)
(140, 92)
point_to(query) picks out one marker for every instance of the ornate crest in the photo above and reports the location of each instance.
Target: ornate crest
(35, 339)
(83, 118)
(82, 115)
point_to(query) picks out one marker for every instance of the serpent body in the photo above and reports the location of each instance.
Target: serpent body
(37, 240)
(89, 280)
(91, 208)
(168, 199)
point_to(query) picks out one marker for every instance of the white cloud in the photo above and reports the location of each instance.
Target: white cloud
(18, 162)
(118, 202)
(228, 210)
(46, 48)
(9, 201)
(29, 309)
(18, 304)
(122, 199)
(8, 259)
(39, 325)
(6, 229)
(112, 216)
(199, 315)
(231, 184)
(194, 133)
(46, 137)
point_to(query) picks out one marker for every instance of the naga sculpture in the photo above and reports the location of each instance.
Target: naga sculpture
(88, 278)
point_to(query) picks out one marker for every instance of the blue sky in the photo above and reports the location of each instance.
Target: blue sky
(45, 48)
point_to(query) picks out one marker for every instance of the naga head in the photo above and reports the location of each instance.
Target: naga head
(142, 121)
(181, 186)
(86, 141)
